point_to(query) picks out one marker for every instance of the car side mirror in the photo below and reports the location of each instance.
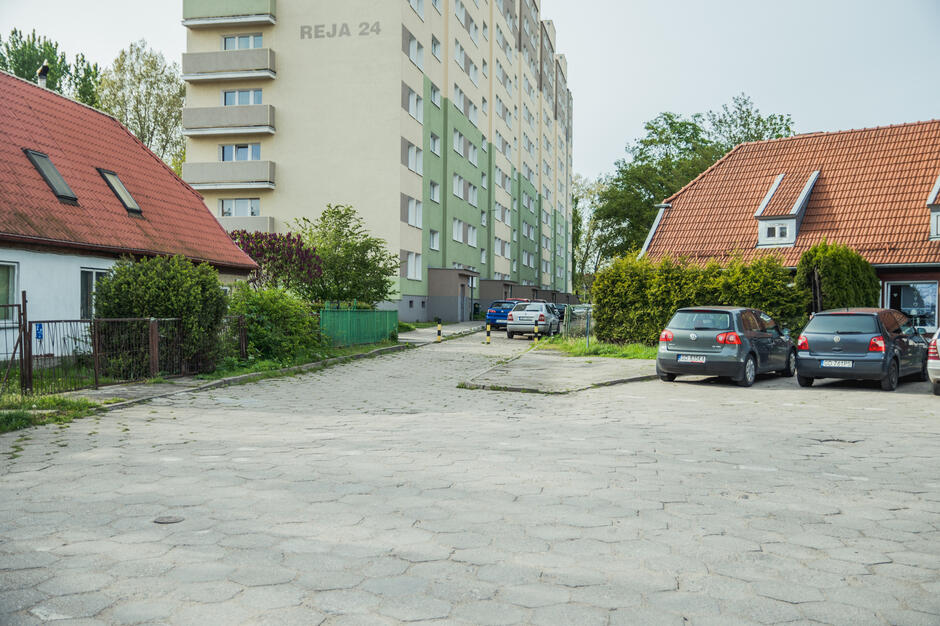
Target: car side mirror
(921, 331)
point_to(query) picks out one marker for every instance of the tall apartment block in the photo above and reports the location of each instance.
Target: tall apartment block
(445, 123)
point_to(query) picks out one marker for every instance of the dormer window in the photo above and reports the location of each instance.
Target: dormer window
(777, 231)
(51, 175)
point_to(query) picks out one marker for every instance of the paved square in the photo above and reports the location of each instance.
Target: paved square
(378, 492)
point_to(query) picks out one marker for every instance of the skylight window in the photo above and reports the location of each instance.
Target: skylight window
(120, 190)
(51, 175)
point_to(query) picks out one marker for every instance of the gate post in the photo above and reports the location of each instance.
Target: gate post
(26, 371)
(154, 348)
(95, 351)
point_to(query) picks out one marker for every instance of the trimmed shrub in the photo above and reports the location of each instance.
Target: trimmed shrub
(634, 299)
(281, 327)
(837, 276)
(167, 287)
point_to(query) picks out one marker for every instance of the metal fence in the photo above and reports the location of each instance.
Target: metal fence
(578, 321)
(353, 327)
(65, 355)
(11, 347)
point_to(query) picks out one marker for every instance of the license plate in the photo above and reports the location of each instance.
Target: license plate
(835, 363)
(690, 358)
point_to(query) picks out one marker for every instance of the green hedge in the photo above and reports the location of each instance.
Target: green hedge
(845, 278)
(281, 327)
(634, 299)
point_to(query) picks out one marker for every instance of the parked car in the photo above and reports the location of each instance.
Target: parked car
(524, 317)
(497, 312)
(933, 363)
(736, 342)
(561, 307)
(865, 344)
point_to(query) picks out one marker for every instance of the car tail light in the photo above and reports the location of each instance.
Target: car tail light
(932, 353)
(490, 311)
(542, 317)
(802, 343)
(730, 339)
(666, 335)
(877, 344)
(509, 317)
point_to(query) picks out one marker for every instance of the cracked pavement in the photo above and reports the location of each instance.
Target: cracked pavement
(378, 492)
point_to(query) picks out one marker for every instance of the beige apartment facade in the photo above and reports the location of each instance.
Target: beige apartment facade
(445, 123)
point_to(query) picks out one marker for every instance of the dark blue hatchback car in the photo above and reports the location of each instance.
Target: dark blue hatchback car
(497, 311)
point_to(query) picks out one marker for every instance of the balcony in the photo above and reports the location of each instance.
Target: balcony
(253, 223)
(228, 65)
(210, 13)
(231, 120)
(230, 175)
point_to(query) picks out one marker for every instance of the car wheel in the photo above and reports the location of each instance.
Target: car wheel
(667, 377)
(749, 373)
(509, 334)
(890, 380)
(790, 369)
(804, 381)
(936, 388)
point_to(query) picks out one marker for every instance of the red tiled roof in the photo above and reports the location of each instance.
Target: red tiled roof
(871, 194)
(78, 140)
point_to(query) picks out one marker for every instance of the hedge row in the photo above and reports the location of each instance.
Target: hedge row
(634, 299)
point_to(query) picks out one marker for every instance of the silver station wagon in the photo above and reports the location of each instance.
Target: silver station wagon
(734, 342)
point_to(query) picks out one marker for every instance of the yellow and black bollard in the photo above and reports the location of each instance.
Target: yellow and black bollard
(487, 334)
(535, 334)
(439, 328)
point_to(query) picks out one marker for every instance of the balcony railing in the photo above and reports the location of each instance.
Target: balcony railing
(209, 13)
(229, 120)
(251, 223)
(230, 175)
(229, 65)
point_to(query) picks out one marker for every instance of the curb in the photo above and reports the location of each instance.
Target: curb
(247, 378)
(606, 383)
(463, 333)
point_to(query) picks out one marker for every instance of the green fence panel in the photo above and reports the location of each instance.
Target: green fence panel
(352, 327)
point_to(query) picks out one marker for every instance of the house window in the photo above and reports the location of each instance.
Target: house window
(51, 175)
(242, 42)
(241, 97)
(917, 300)
(90, 278)
(935, 225)
(434, 240)
(777, 231)
(120, 190)
(240, 152)
(240, 207)
(414, 266)
(7, 290)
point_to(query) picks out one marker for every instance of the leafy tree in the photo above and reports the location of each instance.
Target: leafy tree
(85, 81)
(674, 150)
(355, 265)
(837, 276)
(284, 260)
(280, 326)
(145, 92)
(23, 56)
(587, 252)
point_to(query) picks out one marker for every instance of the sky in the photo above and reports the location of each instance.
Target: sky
(831, 64)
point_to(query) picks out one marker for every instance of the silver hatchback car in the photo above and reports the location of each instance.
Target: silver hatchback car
(525, 317)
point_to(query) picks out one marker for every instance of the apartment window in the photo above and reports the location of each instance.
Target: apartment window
(51, 175)
(7, 290)
(415, 51)
(89, 278)
(415, 104)
(482, 256)
(483, 180)
(437, 5)
(486, 31)
(240, 152)
(240, 207)
(436, 48)
(415, 214)
(472, 236)
(485, 106)
(472, 194)
(435, 96)
(242, 42)
(435, 192)
(418, 6)
(435, 144)
(120, 190)
(482, 218)
(241, 97)
(458, 231)
(472, 154)
(485, 69)
(414, 266)
(434, 240)
(415, 159)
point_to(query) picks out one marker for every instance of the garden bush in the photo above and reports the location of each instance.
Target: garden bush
(845, 278)
(635, 298)
(164, 287)
(281, 327)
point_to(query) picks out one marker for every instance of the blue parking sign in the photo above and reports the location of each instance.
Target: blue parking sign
(39, 330)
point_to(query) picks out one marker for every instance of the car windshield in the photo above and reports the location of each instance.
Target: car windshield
(700, 320)
(528, 306)
(502, 305)
(844, 324)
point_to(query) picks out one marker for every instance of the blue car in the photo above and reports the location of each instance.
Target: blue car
(497, 311)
